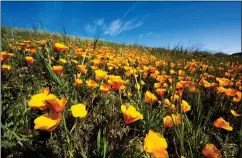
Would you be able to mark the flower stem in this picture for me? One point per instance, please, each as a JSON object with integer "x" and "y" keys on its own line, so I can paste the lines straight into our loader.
{"x": 73, "y": 127}
{"x": 67, "y": 137}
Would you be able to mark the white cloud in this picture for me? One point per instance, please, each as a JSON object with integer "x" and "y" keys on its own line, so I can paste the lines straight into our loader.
{"x": 114, "y": 28}
{"x": 98, "y": 25}
{"x": 99, "y": 22}
{"x": 148, "y": 33}
{"x": 143, "y": 35}
{"x": 117, "y": 26}
{"x": 90, "y": 29}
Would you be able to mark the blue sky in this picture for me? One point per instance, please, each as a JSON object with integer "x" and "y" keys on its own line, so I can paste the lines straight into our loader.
{"x": 214, "y": 26}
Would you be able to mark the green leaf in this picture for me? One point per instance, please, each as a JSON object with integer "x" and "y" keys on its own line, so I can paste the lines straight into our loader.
{"x": 99, "y": 140}
{"x": 105, "y": 146}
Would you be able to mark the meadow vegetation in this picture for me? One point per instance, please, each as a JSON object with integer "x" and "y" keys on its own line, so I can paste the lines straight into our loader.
{"x": 63, "y": 96}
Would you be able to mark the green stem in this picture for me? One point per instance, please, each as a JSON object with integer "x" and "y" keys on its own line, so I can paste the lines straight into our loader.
{"x": 73, "y": 127}
{"x": 67, "y": 136}
{"x": 120, "y": 97}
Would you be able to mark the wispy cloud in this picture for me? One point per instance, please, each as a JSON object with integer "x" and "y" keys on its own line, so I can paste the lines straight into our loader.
{"x": 117, "y": 26}
{"x": 143, "y": 35}
{"x": 89, "y": 28}
{"x": 99, "y": 22}
{"x": 129, "y": 10}
{"x": 95, "y": 26}
{"x": 148, "y": 33}
{"x": 114, "y": 27}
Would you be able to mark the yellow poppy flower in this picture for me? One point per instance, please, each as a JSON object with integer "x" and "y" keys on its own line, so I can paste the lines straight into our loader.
{"x": 47, "y": 122}
{"x": 62, "y": 61}
{"x": 155, "y": 145}
{"x": 79, "y": 110}
{"x": 37, "y": 101}
{"x": 100, "y": 74}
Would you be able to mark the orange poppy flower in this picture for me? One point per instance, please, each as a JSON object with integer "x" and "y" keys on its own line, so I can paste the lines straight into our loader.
{"x": 231, "y": 92}
{"x": 238, "y": 83}
{"x": 192, "y": 88}
{"x": 41, "y": 42}
{"x": 170, "y": 121}
{"x": 169, "y": 105}
{"x": 105, "y": 88}
{"x": 6, "y": 67}
{"x": 57, "y": 70}
{"x": 59, "y": 48}
{"x": 234, "y": 113}
{"x": 116, "y": 82}
{"x": 96, "y": 62}
{"x": 100, "y": 74}
{"x": 150, "y": 97}
{"x": 181, "y": 73}
{"x": 152, "y": 69}
{"x": 237, "y": 97}
{"x": 175, "y": 97}
{"x": 185, "y": 107}
{"x": 221, "y": 123}
{"x": 29, "y": 59}
{"x": 221, "y": 90}
{"x": 223, "y": 81}
{"x": 157, "y": 85}
{"x": 172, "y": 72}
{"x": 130, "y": 114}
{"x": 78, "y": 82}
{"x": 56, "y": 105}
{"x": 91, "y": 84}
{"x": 160, "y": 91}
{"x": 185, "y": 83}
{"x": 210, "y": 151}
{"x": 155, "y": 145}
{"x": 81, "y": 68}
{"x": 5, "y": 56}
{"x": 206, "y": 84}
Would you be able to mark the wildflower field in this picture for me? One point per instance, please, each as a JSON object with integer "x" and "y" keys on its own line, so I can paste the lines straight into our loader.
{"x": 71, "y": 97}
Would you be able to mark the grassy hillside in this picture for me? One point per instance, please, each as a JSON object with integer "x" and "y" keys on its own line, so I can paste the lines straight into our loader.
{"x": 65, "y": 96}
